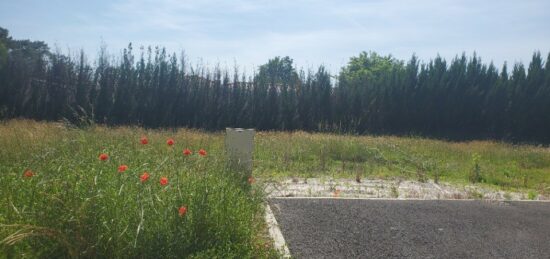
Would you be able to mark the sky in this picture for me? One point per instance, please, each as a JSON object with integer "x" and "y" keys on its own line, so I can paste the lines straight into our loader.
{"x": 313, "y": 33}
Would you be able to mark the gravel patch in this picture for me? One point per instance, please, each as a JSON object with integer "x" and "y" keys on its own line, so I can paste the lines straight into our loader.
{"x": 387, "y": 189}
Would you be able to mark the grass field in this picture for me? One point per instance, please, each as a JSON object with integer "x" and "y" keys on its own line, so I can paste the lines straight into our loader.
{"x": 496, "y": 165}
{"x": 75, "y": 205}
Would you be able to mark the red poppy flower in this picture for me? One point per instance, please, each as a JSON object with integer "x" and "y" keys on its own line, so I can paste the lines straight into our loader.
{"x": 170, "y": 142}
{"x": 187, "y": 152}
{"x": 163, "y": 181}
{"x": 28, "y": 173}
{"x": 202, "y": 152}
{"x": 103, "y": 157}
{"x": 251, "y": 180}
{"x": 122, "y": 168}
{"x": 144, "y": 177}
{"x": 144, "y": 140}
{"x": 182, "y": 211}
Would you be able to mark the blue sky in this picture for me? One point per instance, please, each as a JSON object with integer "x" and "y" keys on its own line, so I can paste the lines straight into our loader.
{"x": 311, "y": 32}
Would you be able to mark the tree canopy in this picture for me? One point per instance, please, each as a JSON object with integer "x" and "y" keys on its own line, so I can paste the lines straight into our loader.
{"x": 463, "y": 98}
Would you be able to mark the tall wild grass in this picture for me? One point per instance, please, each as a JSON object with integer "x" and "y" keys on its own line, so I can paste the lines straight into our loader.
{"x": 60, "y": 200}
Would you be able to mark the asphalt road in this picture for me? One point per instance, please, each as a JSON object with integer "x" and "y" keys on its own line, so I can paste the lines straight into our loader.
{"x": 347, "y": 228}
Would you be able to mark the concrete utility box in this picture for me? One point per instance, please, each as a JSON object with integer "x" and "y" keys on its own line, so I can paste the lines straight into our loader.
{"x": 239, "y": 144}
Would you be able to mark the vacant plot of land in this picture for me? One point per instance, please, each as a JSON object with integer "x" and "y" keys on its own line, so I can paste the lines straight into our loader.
{"x": 342, "y": 228}
{"x": 57, "y": 194}
{"x": 123, "y": 193}
{"x": 487, "y": 163}
{"x": 282, "y": 155}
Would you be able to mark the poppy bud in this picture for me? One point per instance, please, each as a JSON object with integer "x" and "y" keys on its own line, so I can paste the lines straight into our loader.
{"x": 103, "y": 157}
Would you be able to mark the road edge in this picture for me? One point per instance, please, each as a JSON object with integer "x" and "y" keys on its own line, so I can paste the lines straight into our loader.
{"x": 396, "y": 199}
{"x": 275, "y": 233}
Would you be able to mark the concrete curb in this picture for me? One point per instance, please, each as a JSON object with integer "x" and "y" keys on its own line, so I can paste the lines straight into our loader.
{"x": 275, "y": 233}
{"x": 397, "y": 199}
{"x": 390, "y": 189}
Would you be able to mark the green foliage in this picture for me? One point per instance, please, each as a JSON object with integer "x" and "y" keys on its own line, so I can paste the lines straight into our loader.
{"x": 394, "y": 192}
{"x": 329, "y": 155}
{"x": 278, "y": 72}
{"x": 475, "y": 174}
{"x": 473, "y": 194}
{"x": 460, "y": 99}
{"x": 531, "y": 195}
{"x": 3, "y": 55}
{"x": 277, "y": 83}
{"x": 78, "y": 206}
{"x": 369, "y": 68}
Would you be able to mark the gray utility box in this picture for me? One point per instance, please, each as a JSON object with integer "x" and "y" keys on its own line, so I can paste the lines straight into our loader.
{"x": 239, "y": 145}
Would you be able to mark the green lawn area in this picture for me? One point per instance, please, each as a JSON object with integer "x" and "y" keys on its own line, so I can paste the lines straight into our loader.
{"x": 73, "y": 204}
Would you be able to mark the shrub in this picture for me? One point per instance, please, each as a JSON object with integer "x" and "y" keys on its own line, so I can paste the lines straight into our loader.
{"x": 475, "y": 174}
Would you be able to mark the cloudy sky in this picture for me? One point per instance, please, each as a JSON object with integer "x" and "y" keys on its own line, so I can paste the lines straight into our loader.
{"x": 311, "y": 32}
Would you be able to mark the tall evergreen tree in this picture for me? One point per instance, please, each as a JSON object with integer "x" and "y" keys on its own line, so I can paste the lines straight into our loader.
{"x": 461, "y": 99}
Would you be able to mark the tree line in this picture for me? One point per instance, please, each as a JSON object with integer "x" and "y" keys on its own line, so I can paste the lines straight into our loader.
{"x": 373, "y": 94}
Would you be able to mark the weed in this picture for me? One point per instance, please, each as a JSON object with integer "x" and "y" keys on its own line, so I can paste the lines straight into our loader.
{"x": 531, "y": 195}
{"x": 99, "y": 210}
{"x": 421, "y": 175}
{"x": 475, "y": 174}
{"x": 64, "y": 201}
{"x": 394, "y": 192}
{"x": 386, "y": 157}
{"x": 323, "y": 159}
{"x": 474, "y": 194}
{"x": 507, "y": 196}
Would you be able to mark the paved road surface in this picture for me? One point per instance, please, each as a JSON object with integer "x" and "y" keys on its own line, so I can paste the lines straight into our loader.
{"x": 347, "y": 228}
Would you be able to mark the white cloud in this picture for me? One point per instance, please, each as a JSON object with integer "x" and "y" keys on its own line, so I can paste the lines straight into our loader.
{"x": 312, "y": 32}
